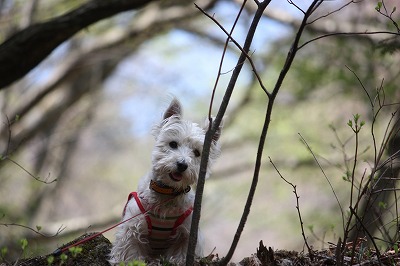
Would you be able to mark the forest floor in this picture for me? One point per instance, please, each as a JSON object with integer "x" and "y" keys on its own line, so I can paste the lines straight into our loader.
{"x": 94, "y": 253}
{"x": 268, "y": 257}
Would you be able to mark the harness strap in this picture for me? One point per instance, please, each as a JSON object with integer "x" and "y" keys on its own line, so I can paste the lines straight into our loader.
{"x": 177, "y": 223}
{"x": 180, "y": 220}
{"x": 142, "y": 209}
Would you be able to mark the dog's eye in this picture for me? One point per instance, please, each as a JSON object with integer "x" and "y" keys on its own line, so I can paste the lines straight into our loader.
{"x": 196, "y": 153}
{"x": 173, "y": 144}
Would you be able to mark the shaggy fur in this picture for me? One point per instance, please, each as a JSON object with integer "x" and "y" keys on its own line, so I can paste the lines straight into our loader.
{"x": 175, "y": 163}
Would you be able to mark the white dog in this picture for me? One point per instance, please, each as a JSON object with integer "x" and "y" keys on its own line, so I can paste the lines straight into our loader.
{"x": 162, "y": 206}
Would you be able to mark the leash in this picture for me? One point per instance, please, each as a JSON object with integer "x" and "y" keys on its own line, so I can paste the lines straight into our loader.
{"x": 59, "y": 251}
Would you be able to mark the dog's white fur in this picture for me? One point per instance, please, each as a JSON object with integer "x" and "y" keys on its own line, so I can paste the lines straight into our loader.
{"x": 132, "y": 237}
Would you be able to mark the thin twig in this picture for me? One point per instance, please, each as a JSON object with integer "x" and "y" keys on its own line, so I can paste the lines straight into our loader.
{"x": 223, "y": 52}
{"x": 230, "y": 38}
{"x": 362, "y": 85}
{"x": 297, "y": 208}
{"x": 293, "y": 4}
{"x": 30, "y": 174}
{"x": 8, "y": 125}
{"x": 348, "y": 34}
{"x": 389, "y": 16}
{"x": 331, "y": 12}
{"x": 6, "y": 155}
{"x": 36, "y": 231}
{"x": 356, "y": 130}
{"x": 366, "y": 231}
{"x": 326, "y": 177}
{"x": 8, "y": 137}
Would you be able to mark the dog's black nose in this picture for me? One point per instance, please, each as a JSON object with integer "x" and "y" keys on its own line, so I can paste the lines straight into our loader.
{"x": 182, "y": 166}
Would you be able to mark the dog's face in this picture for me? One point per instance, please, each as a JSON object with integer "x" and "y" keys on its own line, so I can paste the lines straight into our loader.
{"x": 177, "y": 152}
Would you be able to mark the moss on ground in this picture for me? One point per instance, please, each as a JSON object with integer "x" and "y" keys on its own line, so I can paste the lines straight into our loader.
{"x": 91, "y": 253}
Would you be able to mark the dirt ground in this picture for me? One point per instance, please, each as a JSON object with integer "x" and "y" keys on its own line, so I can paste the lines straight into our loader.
{"x": 94, "y": 253}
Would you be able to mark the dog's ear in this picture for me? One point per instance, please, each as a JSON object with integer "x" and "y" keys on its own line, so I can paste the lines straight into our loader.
{"x": 174, "y": 109}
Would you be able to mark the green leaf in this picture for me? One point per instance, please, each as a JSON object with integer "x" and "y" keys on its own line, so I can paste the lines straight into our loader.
{"x": 350, "y": 123}
{"x": 63, "y": 257}
{"x": 75, "y": 251}
{"x": 382, "y": 205}
{"x": 38, "y": 227}
{"x": 356, "y": 117}
{"x": 3, "y": 251}
{"x": 396, "y": 248}
{"x": 24, "y": 243}
{"x": 378, "y": 6}
{"x": 310, "y": 227}
{"x": 50, "y": 260}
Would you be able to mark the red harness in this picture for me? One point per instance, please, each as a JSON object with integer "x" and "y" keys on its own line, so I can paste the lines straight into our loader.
{"x": 161, "y": 229}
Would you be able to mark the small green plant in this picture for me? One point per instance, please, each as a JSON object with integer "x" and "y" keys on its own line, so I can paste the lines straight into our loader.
{"x": 75, "y": 251}
{"x": 24, "y": 244}
{"x": 63, "y": 258}
{"x": 356, "y": 127}
{"x": 210, "y": 259}
{"x": 133, "y": 263}
{"x": 3, "y": 253}
{"x": 382, "y": 205}
{"x": 50, "y": 260}
{"x": 378, "y": 6}
{"x": 4, "y": 250}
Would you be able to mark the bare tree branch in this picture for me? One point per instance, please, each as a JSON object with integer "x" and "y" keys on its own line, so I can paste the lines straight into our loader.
{"x": 213, "y": 128}
{"x": 297, "y": 206}
{"x": 240, "y": 48}
{"x": 327, "y": 27}
{"x": 36, "y": 231}
{"x": 27, "y": 48}
{"x": 111, "y": 51}
{"x": 271, "y": 99}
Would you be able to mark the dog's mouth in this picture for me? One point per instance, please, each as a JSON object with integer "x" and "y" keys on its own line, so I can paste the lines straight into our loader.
{"x": 176, "y": 176}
